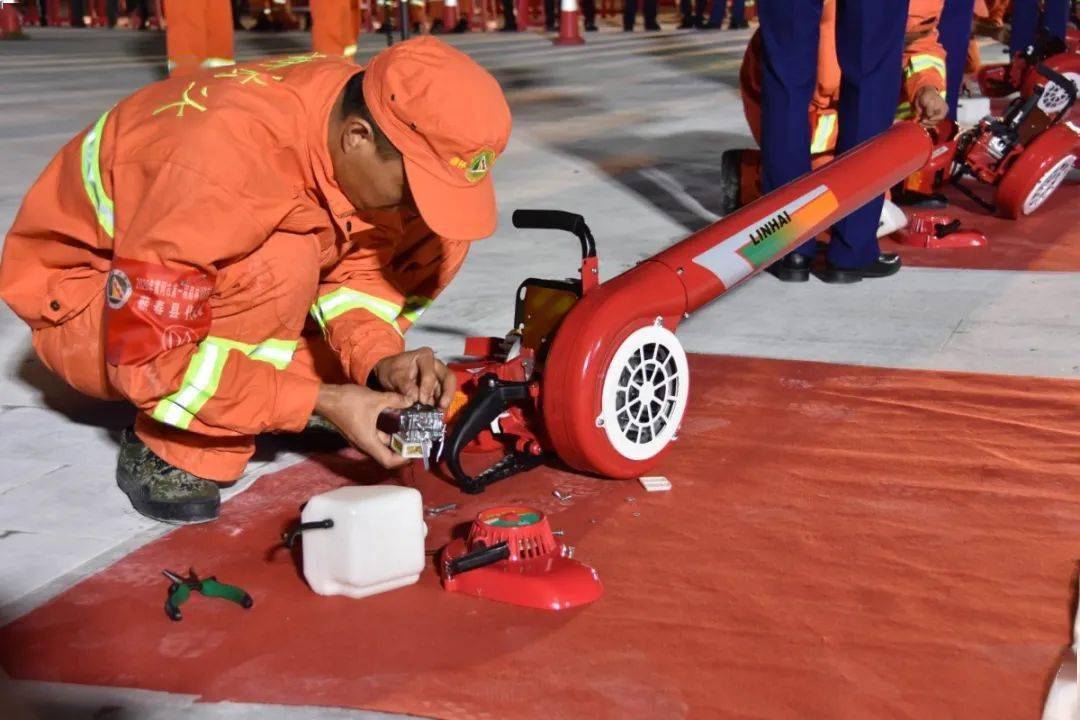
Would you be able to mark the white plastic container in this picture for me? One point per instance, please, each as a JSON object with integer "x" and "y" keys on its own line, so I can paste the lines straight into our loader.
{"x": 376, "y": 543}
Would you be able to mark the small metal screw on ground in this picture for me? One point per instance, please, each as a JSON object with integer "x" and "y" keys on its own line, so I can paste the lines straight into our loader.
{"x": 440, "y": 509}
{"x": 561, "y": 496}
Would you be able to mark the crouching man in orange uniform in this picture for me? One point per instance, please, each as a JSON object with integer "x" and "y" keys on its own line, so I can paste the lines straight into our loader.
{"x": 171, "y": 253}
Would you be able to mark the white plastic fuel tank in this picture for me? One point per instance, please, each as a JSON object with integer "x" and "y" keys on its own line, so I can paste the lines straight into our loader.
{"x": 376, "y": 542}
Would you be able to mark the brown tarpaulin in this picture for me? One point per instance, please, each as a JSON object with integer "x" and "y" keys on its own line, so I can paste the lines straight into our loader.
{"x": 840, "y": 542}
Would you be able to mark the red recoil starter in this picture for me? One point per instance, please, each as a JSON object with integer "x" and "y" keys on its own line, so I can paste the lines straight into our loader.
{"x": 512, "y": 556}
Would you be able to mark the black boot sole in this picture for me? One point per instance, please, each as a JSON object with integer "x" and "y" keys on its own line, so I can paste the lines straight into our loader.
{"x": 789, "y": 274}
{"x": 730, "y": 181}
{"x": 836, "y": 276}
{"x": 192, "y": 512}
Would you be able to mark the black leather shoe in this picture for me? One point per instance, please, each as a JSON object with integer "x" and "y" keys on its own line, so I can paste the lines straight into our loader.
{"x": 740, "y": 25}
{"x": 919, "y": 201}
{"x": 687, "y": 23}
{"x": 655, "y": 27}
{"x": 590, "y": 27}
{"x": 793, "y": 268}
{"x": 886, "y": 264}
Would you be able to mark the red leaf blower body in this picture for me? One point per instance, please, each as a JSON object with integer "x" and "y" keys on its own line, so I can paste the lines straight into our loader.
{"x": 593, "y": 373}
{"x": 1024, "y": 155}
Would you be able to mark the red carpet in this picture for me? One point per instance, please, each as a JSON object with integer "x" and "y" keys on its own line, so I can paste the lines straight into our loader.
{"x": 1049, "y": 239}
{"x": 840, "y": 542}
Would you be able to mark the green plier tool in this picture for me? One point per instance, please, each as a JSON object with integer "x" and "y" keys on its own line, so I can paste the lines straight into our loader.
{"x": 181, "y": 588}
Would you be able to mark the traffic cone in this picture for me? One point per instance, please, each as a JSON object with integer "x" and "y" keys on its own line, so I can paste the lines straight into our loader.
{"x": 522, "y": 13}
{"x": 10, "y": 28}
{"x": 569, "y": 24}
{"x": 450, "y": 15}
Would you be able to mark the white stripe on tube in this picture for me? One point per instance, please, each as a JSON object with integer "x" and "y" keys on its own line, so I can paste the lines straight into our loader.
{"x": 568, "y": 6}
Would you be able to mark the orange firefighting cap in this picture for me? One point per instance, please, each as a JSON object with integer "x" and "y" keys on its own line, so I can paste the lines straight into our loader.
{"x": 448, "y": 117}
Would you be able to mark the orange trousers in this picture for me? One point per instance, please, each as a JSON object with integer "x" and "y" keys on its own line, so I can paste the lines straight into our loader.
{"x": 279, "y": 282}
{"x": 335, "y": 25}
{"x": 198, "y": 34}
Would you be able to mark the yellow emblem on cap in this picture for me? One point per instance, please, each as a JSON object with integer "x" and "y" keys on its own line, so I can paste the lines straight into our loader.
{"x": 479, "y": 166}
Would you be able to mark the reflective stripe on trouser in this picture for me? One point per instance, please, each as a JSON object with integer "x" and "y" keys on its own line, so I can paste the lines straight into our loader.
{"x": 919, "y": 63}
{"x": 204, "y": 373}
{"x": 91, "y": 172}
{"x": 824, "y": 133}
{"x": 344, "y": 299}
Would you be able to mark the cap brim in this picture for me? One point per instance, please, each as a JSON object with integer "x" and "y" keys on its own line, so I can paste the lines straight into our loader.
{"x": 452, "y": 212}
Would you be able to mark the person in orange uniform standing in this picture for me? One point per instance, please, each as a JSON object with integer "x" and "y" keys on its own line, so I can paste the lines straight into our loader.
{"x": 172, "y": 252}
{"x": 198, "y": 34}
{"x": 335, "y": 26}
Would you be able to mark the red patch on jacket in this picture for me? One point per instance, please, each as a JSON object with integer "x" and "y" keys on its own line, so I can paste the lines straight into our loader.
{"x": 152, "y": 308}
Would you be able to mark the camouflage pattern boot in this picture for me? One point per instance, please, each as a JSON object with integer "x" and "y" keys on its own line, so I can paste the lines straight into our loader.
{"x": 161, "y": 491}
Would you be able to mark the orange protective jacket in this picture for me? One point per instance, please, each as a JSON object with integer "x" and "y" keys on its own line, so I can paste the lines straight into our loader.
{"x": 155, "y": 202}
{"x": 923, "y": 66}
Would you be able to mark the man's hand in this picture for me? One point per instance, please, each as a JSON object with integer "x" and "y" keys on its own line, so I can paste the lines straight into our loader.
{"x": 354, "y": 410}
{"x": 930, "y": 108}
{"x": 419, "y": 376}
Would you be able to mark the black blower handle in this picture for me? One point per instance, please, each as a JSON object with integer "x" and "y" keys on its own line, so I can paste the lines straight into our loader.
{"x": 490, "y": 401}
{"x": 557, "y": 220}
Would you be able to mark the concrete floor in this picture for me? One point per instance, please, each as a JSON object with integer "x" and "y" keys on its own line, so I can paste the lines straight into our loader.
{"x": 627, "y": 130}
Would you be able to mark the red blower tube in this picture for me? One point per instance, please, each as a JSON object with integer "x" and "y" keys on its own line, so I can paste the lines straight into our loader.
{"x": 663, "y": 289}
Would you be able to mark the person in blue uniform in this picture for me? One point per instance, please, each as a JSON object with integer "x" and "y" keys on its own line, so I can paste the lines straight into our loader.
{"x": 738, "y": 15}
{"x": 954, "y": 33}
{"x": 693, "y": 13}
{"x": 1027, "y": 19}
{"x": 869, "y": 45}
{"x": 630, "y": 15}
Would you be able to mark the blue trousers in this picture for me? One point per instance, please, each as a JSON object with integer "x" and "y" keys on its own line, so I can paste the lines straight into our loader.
{"x": 954, "y": 32}
{"x": 869, "y": 46}
{"x": 1026, "y": 22}
{"x": 738, "y": 11}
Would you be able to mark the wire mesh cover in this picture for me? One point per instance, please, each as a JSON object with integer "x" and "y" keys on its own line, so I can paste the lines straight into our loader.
{"x": 647, "y": 392}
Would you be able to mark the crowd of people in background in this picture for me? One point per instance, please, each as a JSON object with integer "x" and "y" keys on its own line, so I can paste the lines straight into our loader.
{"x": 425, "y": 15}
{"x": 820, "y": 76}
